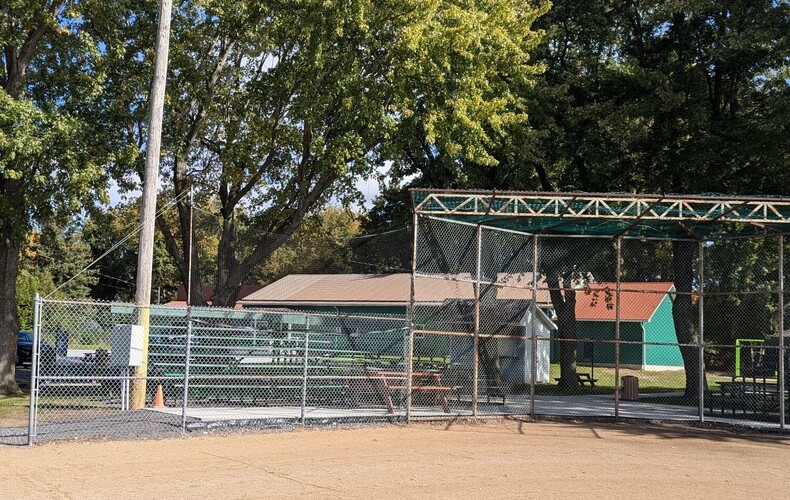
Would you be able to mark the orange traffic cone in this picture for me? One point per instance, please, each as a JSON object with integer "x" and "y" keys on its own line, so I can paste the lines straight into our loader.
{"x": 159, "y": 398}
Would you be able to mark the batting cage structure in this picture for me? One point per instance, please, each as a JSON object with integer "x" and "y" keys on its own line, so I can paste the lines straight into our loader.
{"x": 612, "y": 305}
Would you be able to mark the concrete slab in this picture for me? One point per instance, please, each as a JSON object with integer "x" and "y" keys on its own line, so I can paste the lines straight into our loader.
{"x": 218, "y": 414}
{"x": 587, "y": 406}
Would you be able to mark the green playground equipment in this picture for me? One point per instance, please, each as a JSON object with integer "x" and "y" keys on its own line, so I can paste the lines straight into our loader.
{"x": 745, "y": 343}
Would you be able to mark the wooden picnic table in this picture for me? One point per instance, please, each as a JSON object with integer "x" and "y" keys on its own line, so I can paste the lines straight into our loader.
{"x": 389, "y": 382}
{"x": 583, "y": 378}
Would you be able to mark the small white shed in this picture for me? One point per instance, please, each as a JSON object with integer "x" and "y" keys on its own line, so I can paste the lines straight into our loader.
{"x": 515, "y": 354}
{"x": 511, "y": 322}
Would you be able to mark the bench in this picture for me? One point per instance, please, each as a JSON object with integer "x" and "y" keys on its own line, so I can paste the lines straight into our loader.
{"x": 495, "y": 392}
{"x": 586, "y": 378}
{"x": 222, "y": 368}
{"x": 263, "y": 391}
{"x": 388, "y": 383}
{"x": 583, "y": 378}
{"x": 49, "y": 387}
{"x": 227, "y": 379}
{"x": 744, "y": 396}
{"x": 488, "y": 387}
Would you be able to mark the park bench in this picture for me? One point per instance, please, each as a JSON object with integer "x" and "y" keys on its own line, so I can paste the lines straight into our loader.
{"x": 494, "y": 391}
{"x": 586, "y": 378}
{"x": 72, "y": 377}
{"x": 67, "y": 387}
{"x": 583, "y": 378}
{"x": 488, "y": 388}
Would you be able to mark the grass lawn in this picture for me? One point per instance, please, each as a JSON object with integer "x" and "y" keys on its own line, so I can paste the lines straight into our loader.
{"x": 13, "y": 410}
{"x": 649, "y": 381}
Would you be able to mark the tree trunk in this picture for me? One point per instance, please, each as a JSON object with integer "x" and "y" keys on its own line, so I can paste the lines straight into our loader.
{"x": 16, "y": 61}
{"x": 226, "y": 293}
{"x": 682, "y": 313}
{"x": 9, "y": 319}
{"x": 231, "y": 273}
{"x": 564, "y": 302}
{"x": 179, "y": 250}
{"x": 489, "y": 369}
{"x": 566, "y": 323}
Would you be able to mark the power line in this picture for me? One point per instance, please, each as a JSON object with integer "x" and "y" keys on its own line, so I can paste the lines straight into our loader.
{"x": 118, "y": 244}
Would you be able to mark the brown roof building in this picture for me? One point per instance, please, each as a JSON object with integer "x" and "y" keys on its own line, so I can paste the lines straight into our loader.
{"x": 377, "y": 290}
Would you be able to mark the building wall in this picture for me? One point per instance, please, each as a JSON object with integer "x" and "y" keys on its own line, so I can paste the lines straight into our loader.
{"x": 661, "y": 328}
{"x": 602, "y": 335}
{"x": 630, "y": 354}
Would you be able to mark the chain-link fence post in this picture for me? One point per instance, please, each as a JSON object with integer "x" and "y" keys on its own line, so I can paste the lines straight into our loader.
{"x": 782, "y": 351}
{"x": 701, "y": 339}
{"x": 304, "y": 367}
{"x": 187, "y": 356}
{"x": 410, "y": 313}
{"x": 476, "y": 341}
{"x": 31, "y": 414}
{"x": 534, "y": 333}
{"x": 618, "y": 270}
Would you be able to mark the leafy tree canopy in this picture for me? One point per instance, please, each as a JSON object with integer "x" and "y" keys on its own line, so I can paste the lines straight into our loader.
{"x": 277, "y": 109}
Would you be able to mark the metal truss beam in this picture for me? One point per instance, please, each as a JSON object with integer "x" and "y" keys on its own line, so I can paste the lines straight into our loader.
{"x": 603, "y": 206}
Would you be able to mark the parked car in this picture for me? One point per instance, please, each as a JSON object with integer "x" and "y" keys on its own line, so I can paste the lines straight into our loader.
{"x": 24, "y": 347}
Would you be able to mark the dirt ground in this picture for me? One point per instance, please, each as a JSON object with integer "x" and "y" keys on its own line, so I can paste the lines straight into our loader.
{"x": 487, "y": 459}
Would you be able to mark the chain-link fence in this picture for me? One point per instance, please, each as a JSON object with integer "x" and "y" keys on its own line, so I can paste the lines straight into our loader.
{"x": 212, "y": 367}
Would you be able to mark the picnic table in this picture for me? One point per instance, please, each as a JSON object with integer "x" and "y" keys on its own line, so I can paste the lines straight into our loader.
{"x": 583, "y": 378}
{"x": 757, "y": 395}
{"x": 388, "y": 383}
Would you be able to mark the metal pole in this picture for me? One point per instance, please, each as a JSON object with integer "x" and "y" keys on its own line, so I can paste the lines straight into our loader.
{"x": 782, "y": 351}
{"x": 187, "y": 356}
{"x": 31, "y": 412}
{"x": 476, "y": 341}
{"x": 701, "y": 305}
{"x": 188, "y": 349}
{"x": 618, "y": 245}
{"x": 142, "y": 296}
{"x": 534, "y": 367}
{"x": 304, "y": 368}
{"x": 410, "y": 312}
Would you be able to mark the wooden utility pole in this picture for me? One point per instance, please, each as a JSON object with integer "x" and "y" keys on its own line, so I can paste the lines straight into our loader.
{"x": 142, "y": 295}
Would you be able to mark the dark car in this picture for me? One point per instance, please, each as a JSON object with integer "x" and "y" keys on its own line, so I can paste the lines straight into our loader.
{"x": 24, "y": 348}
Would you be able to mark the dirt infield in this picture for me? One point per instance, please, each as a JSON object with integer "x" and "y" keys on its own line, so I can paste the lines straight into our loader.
{"x": 488, "y": 459}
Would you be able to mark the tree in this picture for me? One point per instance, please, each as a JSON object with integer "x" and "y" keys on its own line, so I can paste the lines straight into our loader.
{"x": 49, "y": 167}
{"x": 52, "y": 264}
{"x": 649, "y": 97}
{"x": 277, "y": 109}
{"x": 320, "y": 245}
{"x": 116, "y": 272}
{"x": 670, "y": 97}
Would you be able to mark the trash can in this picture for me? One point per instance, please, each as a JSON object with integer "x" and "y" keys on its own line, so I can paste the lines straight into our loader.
{"x": 61, "y": 342}
{"x": 629, "y": 388}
